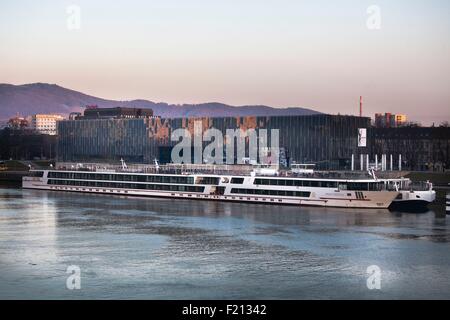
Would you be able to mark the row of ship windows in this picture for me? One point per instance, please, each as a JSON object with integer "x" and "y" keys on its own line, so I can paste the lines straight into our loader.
{"x": 101, "y": 184}
{"x": 173, "y": 194}
{"x": 120, "y": 177}
{"x": 362, "y": 186}
{"x": 304, "y": 194}
{"x": 212, "y": 180}
{"x": 297, "y": 183}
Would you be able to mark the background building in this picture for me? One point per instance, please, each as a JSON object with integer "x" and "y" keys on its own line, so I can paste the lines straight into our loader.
{"x": 327, "y": 140}
{"x": 18, "y": 123}
{"x": 45, "y": 123}
{"x": 30, "y": 138}
{"x": 93, "y": 112}
{"x": 422, "y": 148}
{"x": 26, "y": 145}
{"x": 400, "y": 119}
{"x": 389, "y": 120}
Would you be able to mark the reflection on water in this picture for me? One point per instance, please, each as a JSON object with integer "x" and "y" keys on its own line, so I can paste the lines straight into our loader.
{"x": 161, "y": 249}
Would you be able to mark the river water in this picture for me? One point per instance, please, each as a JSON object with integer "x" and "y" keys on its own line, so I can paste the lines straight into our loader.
{"x": 142, "y": 248}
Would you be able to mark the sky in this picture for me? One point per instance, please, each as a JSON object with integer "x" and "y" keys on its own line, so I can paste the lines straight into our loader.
{"x": 320, "y": 54}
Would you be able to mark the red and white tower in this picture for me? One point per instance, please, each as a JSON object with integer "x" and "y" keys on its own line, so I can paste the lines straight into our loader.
{"x": 360, "y": 105}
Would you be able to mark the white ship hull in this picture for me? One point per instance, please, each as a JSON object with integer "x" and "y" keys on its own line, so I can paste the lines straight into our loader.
{"x": 414, "y": 199}
{"x": 247, "y": 190}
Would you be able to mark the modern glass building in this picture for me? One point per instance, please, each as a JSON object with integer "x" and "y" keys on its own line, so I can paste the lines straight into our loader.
{"x": 421, "y": 148}
{"x": 104, "y": 140}
{"x": 328, "y": 140}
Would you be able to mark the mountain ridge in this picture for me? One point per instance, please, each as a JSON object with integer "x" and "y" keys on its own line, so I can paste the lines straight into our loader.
{"x": 32, "y": 98}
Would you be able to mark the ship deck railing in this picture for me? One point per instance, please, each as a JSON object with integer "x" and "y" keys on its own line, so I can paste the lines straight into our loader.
{"x": 231, "y": 170}
{"x": 211, "y": 169}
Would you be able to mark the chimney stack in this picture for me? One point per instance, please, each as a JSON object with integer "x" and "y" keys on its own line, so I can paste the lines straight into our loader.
{"x": 360, "y": 105}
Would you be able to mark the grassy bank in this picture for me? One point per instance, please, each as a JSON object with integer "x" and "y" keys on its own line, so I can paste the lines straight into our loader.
{"x": 13, "y": 165}
{"x": 23, "y": 165}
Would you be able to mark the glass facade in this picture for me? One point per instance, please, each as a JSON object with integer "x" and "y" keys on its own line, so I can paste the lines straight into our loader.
{"x": 105, "y": 140}
{"x": 328, "y": 139}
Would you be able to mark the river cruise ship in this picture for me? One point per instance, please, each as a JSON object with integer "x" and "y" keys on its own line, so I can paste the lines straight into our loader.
{"x": 282, "y": 189}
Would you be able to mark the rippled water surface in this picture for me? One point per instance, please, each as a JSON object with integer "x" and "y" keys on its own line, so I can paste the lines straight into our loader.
{"x": 183, "y": 249}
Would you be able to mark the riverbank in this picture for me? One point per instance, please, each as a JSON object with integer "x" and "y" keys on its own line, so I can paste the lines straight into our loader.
{"x": 12, "y": 171}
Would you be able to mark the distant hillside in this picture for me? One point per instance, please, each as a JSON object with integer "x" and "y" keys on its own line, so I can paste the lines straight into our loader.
{"x": 35, "y": 98}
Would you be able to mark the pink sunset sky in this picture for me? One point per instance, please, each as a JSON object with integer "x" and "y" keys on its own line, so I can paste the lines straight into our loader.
{"x": 315, "y": 54}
